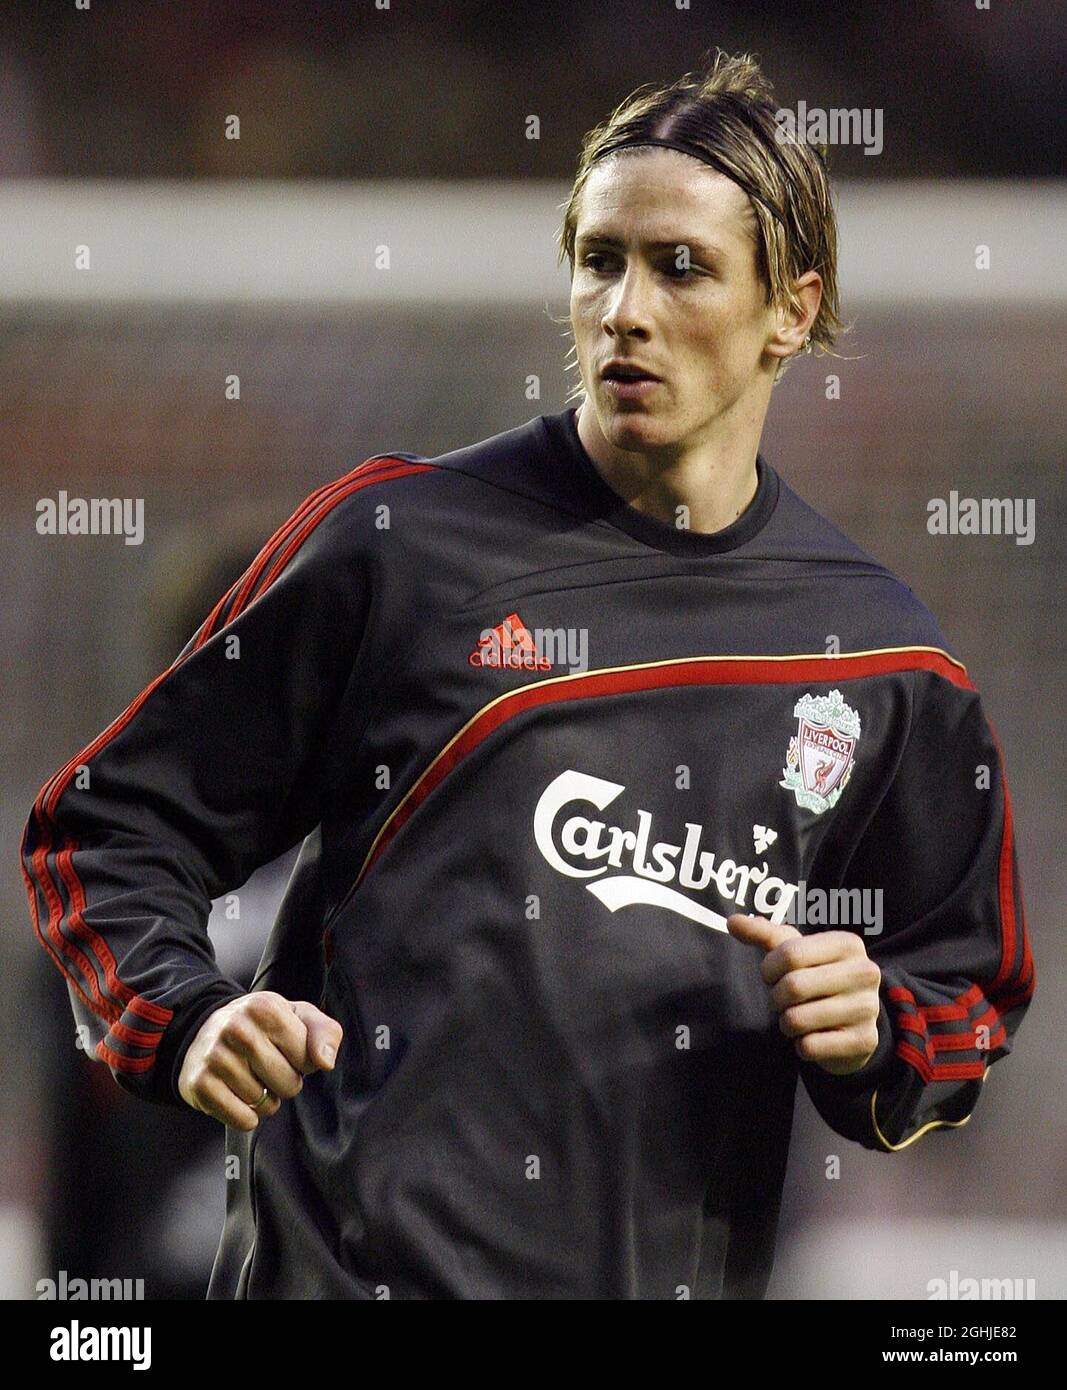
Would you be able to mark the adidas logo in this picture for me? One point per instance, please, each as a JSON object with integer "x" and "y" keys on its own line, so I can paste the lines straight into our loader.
{"x": 510, "y": 644}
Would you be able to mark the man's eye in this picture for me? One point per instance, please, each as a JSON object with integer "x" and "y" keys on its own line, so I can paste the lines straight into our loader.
{"x": 594, "y": 261}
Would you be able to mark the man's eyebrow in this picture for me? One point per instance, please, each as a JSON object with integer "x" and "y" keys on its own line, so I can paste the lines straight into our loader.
{"x": 701, "y": 248}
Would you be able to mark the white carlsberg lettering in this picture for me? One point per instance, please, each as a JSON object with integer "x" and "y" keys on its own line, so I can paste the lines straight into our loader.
{"x": 707, "y": 860}
{"x": 653, "y": 865}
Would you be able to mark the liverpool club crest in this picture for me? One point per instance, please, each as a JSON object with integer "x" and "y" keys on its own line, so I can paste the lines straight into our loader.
{"x": 819, "y": 762}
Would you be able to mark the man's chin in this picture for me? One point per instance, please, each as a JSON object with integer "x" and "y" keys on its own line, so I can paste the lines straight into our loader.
{"x": 635, "y": 428}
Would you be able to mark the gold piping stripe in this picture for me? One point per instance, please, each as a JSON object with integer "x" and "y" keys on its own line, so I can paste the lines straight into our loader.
{"x": 931, "y": 1124}
{"x": 610, "y": 670}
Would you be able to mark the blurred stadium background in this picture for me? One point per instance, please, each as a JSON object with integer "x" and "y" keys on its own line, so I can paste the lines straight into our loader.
{"x": 407, "y": 127}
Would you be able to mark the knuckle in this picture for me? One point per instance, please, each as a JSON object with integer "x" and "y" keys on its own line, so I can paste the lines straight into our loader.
{"x": 209, "y": 1103}
{"x": 805, "y": 1047}
{"x": 240, "y": 1031}
{"x": 766, "y": 970}
{"x": 263, "y": 1006}
{"x": 216, "y": 1069}
{"x": 792, "y": 953}
{"x": 791, "y": 988}
{"x": 292, "y": 1086}
{"x": 200, "y": 1077}
{"x": 200, "y": 1085}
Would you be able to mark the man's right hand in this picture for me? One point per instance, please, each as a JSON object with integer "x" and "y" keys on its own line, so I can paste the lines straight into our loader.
{"x": 261, "y": 1039}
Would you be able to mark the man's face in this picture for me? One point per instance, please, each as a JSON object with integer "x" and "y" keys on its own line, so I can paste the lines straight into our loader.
{"x": 701, "y": 331}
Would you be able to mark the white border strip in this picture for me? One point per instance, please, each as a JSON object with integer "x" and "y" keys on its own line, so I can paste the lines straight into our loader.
{"x": 267, "y": 242}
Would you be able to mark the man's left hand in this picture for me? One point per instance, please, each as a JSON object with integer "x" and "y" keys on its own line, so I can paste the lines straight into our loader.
{"x": 825, "y": 988}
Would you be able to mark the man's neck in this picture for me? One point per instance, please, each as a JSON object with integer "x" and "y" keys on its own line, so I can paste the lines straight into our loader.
{"x": 715, "y": 482}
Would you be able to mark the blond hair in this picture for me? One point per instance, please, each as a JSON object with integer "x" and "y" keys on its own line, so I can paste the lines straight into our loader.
{"x": 726, "y": 114}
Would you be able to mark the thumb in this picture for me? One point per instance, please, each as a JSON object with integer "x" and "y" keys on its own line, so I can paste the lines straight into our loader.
{"x": 324, "y": 1035}
{"x": 757, "y": 931}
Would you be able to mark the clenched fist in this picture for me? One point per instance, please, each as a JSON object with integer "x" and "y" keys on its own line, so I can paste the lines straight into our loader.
{"x": 260, "y": 1040}
{"x": 825, "y": 988}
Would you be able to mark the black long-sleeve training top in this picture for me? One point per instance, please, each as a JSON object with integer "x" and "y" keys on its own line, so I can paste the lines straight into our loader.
{"x": 538, "y": 745}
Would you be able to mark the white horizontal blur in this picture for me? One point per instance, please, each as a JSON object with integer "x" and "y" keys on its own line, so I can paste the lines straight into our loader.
{"x": 311, "y": 243}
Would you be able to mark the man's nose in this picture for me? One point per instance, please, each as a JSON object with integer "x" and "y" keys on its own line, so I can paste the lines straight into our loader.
{"x": 627, "y": 311}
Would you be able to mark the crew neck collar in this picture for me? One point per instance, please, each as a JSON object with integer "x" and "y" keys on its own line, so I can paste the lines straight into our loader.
{"x": 608, "y": 505}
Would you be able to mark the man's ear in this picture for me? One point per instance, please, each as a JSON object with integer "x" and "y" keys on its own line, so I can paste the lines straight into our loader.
{"x": 792, "y": 325}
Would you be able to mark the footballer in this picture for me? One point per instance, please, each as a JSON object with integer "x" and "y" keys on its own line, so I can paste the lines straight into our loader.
{"x": 533, "y": 1013}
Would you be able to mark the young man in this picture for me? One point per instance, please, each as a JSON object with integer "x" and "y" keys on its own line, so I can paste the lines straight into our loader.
{"x": 555, "y": 719}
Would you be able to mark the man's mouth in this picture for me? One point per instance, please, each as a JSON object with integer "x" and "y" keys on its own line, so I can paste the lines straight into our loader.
{"x": 625, "y": 371}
